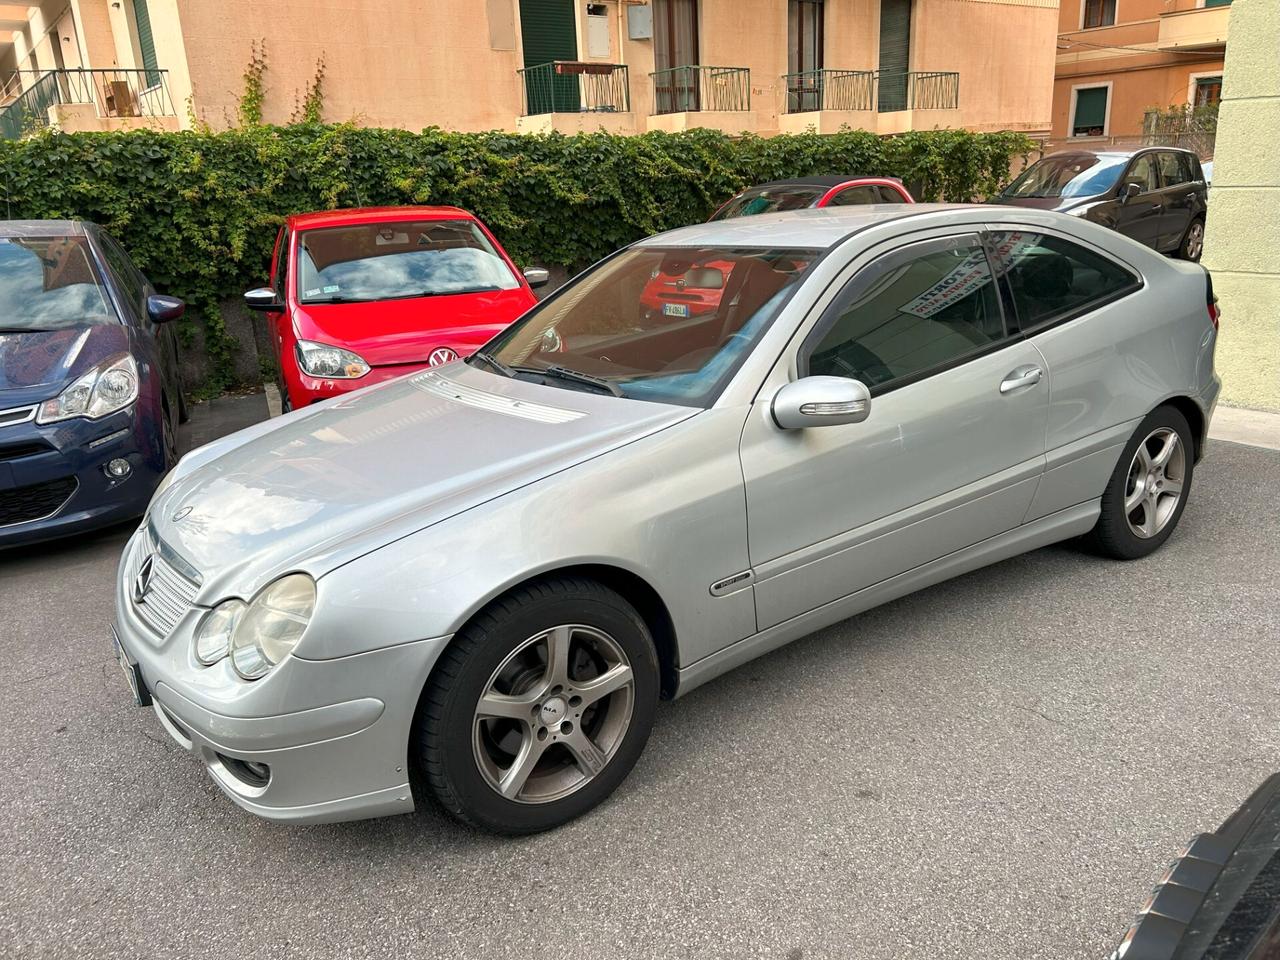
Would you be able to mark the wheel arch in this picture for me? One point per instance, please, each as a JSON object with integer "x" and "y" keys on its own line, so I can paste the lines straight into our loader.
{"x": 1196, "y": 420}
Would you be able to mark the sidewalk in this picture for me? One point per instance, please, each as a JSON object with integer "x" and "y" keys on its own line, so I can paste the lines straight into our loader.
{"x": 1238, "y": 425}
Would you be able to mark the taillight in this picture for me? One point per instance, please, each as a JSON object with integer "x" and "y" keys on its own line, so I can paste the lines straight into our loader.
{"x": 1211, "y": 301}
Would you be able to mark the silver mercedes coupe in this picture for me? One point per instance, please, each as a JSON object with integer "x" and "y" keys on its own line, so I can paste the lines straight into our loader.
{"x": 475, "y": 583}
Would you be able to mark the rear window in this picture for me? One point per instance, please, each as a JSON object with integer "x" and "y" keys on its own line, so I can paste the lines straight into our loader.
{"x": 50, "y": 282}
{"x": 769, "y": 200}
{"x": 397, "y": 261}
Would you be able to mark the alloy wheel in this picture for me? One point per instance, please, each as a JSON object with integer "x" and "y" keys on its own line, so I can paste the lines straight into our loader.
{"x": 1155, "y": 482}
{"x": 553, "y": 714}
{"x": 1195, "y": 240}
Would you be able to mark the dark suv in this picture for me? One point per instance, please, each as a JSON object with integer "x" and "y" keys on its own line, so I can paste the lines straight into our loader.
{"x": 1155, "y": 195}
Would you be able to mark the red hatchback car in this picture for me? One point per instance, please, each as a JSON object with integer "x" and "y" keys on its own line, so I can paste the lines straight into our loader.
{"x": 363, "y": 295}
{"x": 696, "y": 292}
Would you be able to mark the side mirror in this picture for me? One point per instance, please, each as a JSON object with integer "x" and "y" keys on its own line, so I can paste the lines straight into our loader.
{"x": 821, "y": 402}
{"x": 162, "y": 309}
{"x": 263, "y": 299}
{"x": 1130, "y": 191}
{"x": 537, "y": 276}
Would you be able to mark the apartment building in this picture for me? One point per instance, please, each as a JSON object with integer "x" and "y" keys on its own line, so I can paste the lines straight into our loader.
{"x": 1117, "y": 59}
{"x": 627, "y": 66}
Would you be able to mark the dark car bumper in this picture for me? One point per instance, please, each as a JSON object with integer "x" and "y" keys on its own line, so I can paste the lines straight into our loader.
{"x": 53, "y": 479}
{"x": 1221, "y": 897}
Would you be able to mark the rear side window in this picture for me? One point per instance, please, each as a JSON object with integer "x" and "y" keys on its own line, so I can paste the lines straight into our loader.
{"x": 911, "y": 315}
{"x": 1052, "y": 278}
{"x": 856, "y": 196}
{"x": 890, "y": 195}
{"x": 1174, "y": 169}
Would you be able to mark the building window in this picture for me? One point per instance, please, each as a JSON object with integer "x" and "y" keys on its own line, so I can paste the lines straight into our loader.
{"x": 146, "y": 42}
{"x": 1217, "y": 3}
{"x": 1090, "y": 116}
{"x": 804, "y": 35}
{"x": 1099, "y": 13}
{"x": 1208, "y": 91}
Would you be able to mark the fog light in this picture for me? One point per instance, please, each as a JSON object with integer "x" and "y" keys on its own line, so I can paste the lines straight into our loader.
{"x": 118, "y": 468}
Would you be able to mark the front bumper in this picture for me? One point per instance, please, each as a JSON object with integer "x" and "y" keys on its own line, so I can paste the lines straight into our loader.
{"x": 52, "y": 478}
{"x": 331, "y": 735}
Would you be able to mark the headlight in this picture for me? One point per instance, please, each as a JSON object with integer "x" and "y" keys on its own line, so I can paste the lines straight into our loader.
{"x": 322, "y": 360}
{"x": 271, "y": 626}
{"x": 213, "y": 636}
{"x": 108, "y": 387}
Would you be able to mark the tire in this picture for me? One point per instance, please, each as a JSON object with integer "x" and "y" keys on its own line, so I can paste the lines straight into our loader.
{"x": 184, "y": 414}
{"x": 1192, "y": 244}
{"x": 1150, "y": 521}
{"x": 168, "y": 437}
{"x": 584, "y": 747}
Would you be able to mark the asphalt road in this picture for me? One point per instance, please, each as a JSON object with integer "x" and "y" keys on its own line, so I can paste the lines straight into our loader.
{"x": 998, "y": 767}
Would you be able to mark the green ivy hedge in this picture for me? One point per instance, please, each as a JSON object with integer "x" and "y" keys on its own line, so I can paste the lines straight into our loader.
{"x": 199, "y": 211}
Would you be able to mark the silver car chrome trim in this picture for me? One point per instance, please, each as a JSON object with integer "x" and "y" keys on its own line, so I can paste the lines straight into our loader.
{"x": 16, "y": 415}
{"x": 733, "y": 584}
{"x": 168, "y": 592}
{"x": 441, "y": 386}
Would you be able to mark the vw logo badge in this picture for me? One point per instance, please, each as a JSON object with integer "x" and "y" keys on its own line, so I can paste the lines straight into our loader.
{"x": 442, "y": 355}
{"x": 142, "y": 582}
{"x": 181, "y": 514}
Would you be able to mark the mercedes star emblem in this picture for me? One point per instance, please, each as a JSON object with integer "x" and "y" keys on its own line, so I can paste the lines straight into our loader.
{"x": 142, "y": 582}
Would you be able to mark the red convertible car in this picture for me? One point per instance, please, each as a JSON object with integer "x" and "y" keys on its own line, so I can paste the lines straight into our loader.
{"x": 363, "y": 295}
{"x": 696, "y": 292}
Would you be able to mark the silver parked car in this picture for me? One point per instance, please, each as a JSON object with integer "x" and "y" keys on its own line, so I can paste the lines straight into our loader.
{"x": 487, "y": 574}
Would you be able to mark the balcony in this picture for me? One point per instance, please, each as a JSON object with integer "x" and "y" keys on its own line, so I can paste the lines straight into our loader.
{"x": 1190, "y": 28}
{"x": 573, "y": 96}
{"x": 718, "y": 98}
{"x": 826, "y": 101}
{"x": 80, "y": 100}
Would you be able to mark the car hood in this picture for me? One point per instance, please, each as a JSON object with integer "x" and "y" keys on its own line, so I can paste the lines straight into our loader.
{"x": 319, "y": 487}
{"x": 38, "y": 365}
{"x": 1045, "y": 203}
{"x": 406, "y": 331}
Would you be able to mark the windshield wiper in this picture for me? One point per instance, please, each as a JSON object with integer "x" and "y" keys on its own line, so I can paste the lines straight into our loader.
{"x": 557, "y": 372}
{"x": 315, "y": 300}
{"x": 28, "y": 329}
{"x": 493, "y": 363}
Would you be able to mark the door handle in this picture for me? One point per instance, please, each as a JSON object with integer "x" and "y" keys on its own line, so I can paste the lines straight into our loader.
{"x": 1022, "y": 377}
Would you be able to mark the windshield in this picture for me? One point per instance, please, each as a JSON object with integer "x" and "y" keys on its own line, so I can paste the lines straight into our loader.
{"x": 49, "y": 282}
{"x": 1067, "y": 176}
{"x": 662, "y": 324}
{"x": 391, "y": 261}
{"x": 769, "y": 200}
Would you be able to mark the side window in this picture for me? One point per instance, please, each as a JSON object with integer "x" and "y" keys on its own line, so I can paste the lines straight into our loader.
{"x": 890, "y": 195}
{"x": 910, "y": 314}
{"x": 132, "y": 283}
{"x": 1051, "y": 277}
{"x": 280, "y": 268}
{"x": 1173, "y": 169}
{"x": 1190, "y": 168}
{"x": 1143, "y": 172}
{"x": 855, "y": 196}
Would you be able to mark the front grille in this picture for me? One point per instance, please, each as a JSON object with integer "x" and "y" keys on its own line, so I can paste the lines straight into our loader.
{"x": 40, "y": 500}
{"x": 168, "y": 592}
{"x": 16, "y": 415}
{"x": 15, "y": 451}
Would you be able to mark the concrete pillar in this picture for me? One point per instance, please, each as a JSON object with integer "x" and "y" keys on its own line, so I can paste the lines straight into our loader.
{"x": 1242, "y": 242}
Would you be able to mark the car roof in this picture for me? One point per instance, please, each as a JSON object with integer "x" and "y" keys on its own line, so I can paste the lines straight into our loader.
{"x": 828, "y": 181}
{"x": 805, "y": 229}
{"x": 1111, "y": 154}
{"x": 350, "y": 215}
{"x": 43, "y": 228}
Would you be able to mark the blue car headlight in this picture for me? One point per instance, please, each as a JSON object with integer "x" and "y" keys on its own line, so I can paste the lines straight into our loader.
{"x": 109, "y": 387}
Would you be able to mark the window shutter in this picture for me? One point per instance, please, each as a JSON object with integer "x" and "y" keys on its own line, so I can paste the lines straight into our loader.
{"x": 146, "y": 42}
{"x": 548, "y": 32}
{"x": 895, "y": 53}
{"x": 1091, "y": 108}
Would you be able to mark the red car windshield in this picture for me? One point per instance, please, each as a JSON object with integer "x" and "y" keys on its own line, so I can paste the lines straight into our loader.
{"x": 394, "y": 261}
{"x": 770, "y": 200}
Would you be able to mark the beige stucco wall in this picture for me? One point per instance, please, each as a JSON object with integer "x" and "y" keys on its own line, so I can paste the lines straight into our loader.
{"x": 1243, "y": 230}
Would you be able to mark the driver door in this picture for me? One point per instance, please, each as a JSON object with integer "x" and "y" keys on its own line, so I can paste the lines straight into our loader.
{"x": 952, "y": 450}
{"x": 1140, "y": 217}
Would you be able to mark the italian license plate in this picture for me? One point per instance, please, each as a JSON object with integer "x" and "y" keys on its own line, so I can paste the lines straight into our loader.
{"x": 132, "y": 672}
{"x": 675, "y": 309}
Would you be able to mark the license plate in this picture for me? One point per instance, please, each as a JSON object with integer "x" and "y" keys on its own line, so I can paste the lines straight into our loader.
{"x": 675, "y": 309}
{"x": 132, "y": 672}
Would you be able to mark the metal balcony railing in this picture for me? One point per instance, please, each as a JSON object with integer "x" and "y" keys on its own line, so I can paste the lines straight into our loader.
{"x": 829, "y": 90}
{"x": 937, "y": 90}
{"x": 113, "y": 93}
{"x": 572, "y": 86}
{"x": 697, "y": 88}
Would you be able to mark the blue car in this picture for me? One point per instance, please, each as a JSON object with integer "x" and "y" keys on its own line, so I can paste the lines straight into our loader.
{"x": 90, "y": 398}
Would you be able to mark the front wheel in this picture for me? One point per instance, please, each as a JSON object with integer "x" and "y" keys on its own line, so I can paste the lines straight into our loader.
{"x": 1148, "y": 489}
{"x": 539, "y": 708}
